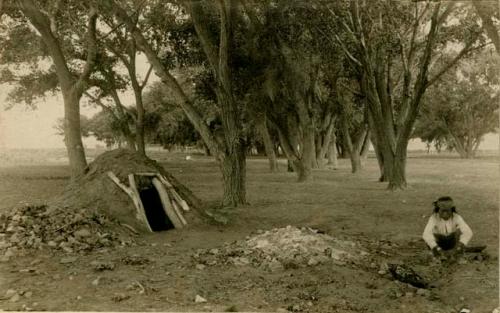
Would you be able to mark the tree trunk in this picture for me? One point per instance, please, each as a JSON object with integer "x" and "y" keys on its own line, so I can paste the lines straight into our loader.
{"x": 304, "y": 172}
{"x": 459, "y": 146}
{"x": 332, "y": 152}
{"x": 397, "y": 173}
{"x": 72, "y": 89}
{"x": 130, "y": 142}
{"x": 366, "y": 146}
{"x": 326, "y": 144}
{"x": 139, "y": 127}
{"x": 308, "y": 155}
{"x": 354, "y": 148}
{"x": 207, "y": 150}
{"x": 268, "y": 144}
{"x": 355, "y": 163}
{"x": 470, "y": 146}
{"x": 233, "y": 167}
{"x": 233, "y": 157}
{"x": 487, "y": 17}
{"x": 72, "y": 134}
{"x": 298, "y": 163}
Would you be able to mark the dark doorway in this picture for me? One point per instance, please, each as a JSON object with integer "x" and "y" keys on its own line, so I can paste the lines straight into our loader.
{"x": 151, "y": 201}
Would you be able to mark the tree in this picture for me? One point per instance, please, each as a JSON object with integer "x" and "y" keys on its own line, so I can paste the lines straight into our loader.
{"x": 354, "y": 127}
{"x": 59, "y": 31}
{"x": 219, "y": 55}
{"x": 228, "y": 147}
{"x": 461, "y": 107}
{"x": 489, "y": 11}
{"x": 393, "y": 37}
{"x": 289, "y": 85}
{"x": 173, "y": 127}
{"x": 125, "y": 49}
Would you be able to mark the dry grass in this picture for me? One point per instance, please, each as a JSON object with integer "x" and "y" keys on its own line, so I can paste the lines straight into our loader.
{"x": 336, "y": 200}
{"x": 339, "y": 201}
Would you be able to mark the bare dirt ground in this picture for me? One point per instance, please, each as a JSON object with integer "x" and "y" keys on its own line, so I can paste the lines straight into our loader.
{"x": 166, "y": 271}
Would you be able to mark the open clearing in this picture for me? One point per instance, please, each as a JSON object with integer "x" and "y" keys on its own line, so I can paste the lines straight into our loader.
{"x": 165, "y": 271}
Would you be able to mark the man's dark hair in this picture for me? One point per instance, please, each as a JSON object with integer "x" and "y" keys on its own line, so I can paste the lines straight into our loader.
{"x": 445, "y": 198}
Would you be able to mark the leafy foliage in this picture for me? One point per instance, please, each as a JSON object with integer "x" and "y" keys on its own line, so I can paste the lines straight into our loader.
{"x": 462, "y": 107}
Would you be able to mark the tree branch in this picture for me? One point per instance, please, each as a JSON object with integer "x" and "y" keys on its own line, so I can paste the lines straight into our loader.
{"x": 251, "y": 15}
{"x": 447, "y": 11}
{"x": 148, "y": 73}
{"x": 467, "y": 49}
{"x": 486, "y": 17}
{"x": 346, "y": 51}
{"x": 194, "y": 7}
{"x": 167, "y": 79}
{"x": 119, "y": 55}
{"x": 91, "y": 52}
{"x": 97, "y": 100}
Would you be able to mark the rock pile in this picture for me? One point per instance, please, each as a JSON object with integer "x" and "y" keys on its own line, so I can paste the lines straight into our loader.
{"x": 282, "y": 248}
{"x": 40, "y": 227}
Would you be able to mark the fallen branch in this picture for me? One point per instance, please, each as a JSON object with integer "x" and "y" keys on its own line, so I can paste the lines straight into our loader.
{"x": 130, "y": 228}
{"x": 176, "y": 196}
{"x": 174, "y": 216}
{"x": 133, "y": 194}
{"x": 178, "y": 212}
{"x": 137, "y": 201}
{"x": 143, "y": 290}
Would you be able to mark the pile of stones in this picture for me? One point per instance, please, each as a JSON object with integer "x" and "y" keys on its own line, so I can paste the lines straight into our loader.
{"x": 282, "y": 248}
{"x": 41, "y": 227}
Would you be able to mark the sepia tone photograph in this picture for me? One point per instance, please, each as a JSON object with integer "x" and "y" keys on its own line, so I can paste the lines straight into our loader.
{"x": 250, "y": 156}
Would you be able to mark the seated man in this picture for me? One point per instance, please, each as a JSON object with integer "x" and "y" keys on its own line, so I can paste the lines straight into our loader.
{"x": 446, "y": 230}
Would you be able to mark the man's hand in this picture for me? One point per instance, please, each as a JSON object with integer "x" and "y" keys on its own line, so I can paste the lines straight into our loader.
{"x": 460, "y": 246}
{"x": 460, "y": 249}
{"x": 437, "y": 252}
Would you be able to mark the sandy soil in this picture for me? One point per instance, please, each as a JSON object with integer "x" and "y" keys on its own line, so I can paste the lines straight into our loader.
{"x": 162, "y": 272}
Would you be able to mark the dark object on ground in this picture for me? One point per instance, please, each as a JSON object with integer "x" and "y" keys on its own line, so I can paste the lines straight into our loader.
{"x": 407, "y": 275}
{"x": 475, "y": 249}
{"x": 447, "y": 242}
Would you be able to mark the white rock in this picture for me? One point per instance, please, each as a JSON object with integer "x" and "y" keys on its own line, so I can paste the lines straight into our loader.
{"x": 95, "y": 282}
{"x": 423, "y": 292}
{"x": 82, "y": 233}
{"x": 15, "y": 298}
{"x": 199, "y": 299}
{"x": 9, "y": 293}
{"x": 200, "y": 267}
{"x": 214, "y": 251}
{"x": 313, "y": 261}
{"x": 68, "y": 260}
{"x": 241, "y": 261}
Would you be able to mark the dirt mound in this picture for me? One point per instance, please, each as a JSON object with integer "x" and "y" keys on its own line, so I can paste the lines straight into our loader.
{"x": 40, "y": 227}
{"x": 96, "y": 191}
{"x": 282, "y": 248}
{"x": 92, "y": 213}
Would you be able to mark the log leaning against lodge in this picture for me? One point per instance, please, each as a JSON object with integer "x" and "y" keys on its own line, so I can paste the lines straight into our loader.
{"x": 110, "y": 186}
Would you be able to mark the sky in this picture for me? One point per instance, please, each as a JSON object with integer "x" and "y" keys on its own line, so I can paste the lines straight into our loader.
{"x": 22, "y": 128}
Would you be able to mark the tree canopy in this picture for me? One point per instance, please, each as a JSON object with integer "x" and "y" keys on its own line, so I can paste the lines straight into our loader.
{"x": 301, "y": 76}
